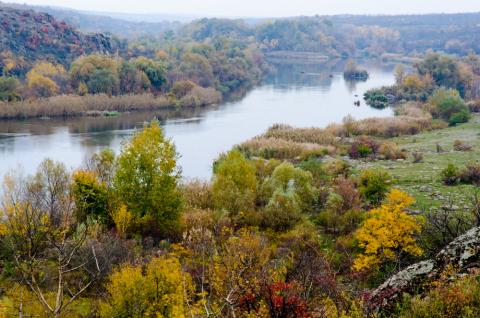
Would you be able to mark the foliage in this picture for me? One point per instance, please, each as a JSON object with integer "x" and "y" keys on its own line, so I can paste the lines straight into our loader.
{"x": 46, "y": 79}
{"x": 449, "y": 175}
{"x": 91, "y": 198}
{"x": 161, "y": 290}
{"x": 9, "y": 89}
{"x": 458, "y": 298}
{"x": 283, "y": 210}
{"x": 450, "y": 106}
{"x": 376, "y": 99}
{"x": 43, "y": 237}
{"x": 234, "y": 183}
{"x": 387, "y": 232}
{"x": 374, "y": 185}
{"x": 293, "y": 181}
{"x": 154, "y": 70}
{"x": 146, "y": 179}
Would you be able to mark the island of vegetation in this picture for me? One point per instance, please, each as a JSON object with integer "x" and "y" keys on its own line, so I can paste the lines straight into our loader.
{"x": 353, "y": 72}
{"x": 366, "y": 218}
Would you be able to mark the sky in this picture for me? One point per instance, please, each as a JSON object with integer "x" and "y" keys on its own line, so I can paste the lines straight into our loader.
{"x": 265, "y": 8}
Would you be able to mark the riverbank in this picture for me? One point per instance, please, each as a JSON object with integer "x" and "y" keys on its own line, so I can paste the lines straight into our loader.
{"x": 412, "y": 148}
{"x": 101, "y": 104}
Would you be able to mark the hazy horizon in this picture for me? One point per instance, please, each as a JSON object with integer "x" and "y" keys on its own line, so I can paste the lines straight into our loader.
{"x": 267, "y": 8}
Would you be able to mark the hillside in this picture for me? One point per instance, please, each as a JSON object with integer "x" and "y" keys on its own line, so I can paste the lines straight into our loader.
{"x": 28, "y": 35}
{"x": 99, "y": 22}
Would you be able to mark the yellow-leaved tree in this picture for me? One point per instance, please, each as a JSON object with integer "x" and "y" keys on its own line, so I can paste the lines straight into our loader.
{"x": 161, "y": 290}
{"x": 387, "y": 232}
{"x": 46, "y": 79}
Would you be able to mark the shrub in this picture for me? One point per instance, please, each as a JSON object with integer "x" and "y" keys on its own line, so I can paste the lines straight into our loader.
{"x": 374, "y": 185}
{"x": 470, "y": 174}
{"x": 474, "y": 106}
{"x": 234, "y": 183}
{"x": 288, "y": 178}
{"x": 458, "y": 145}
{"x": 458, "y": 118}
{"x": 363, "y": 147}
{"x": 449, "y": 298}
{"x": 389, "y": 151}
{"x": 197, "y": 194}
{"x": 449, "y": 175}
{"x": 316, "y": 168}
{"x": 91, "y": 199}
{"x": 283, "y": 211}
{"x": 449, "y": 106}
{"x": 388, "y": 232}
{"x": 376, "y": 99}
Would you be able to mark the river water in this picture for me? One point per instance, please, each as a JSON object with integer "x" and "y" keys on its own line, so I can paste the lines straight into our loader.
{"x": 302, "y": 95}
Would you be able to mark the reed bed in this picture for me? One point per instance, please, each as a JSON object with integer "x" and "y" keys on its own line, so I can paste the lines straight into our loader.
{"x": 286, "y": 142}
{"x": 74, "y": 105}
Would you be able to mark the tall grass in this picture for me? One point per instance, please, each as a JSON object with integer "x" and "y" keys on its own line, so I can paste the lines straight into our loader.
{"x": 286, "y": 142}
{"x": 74, "y": 105}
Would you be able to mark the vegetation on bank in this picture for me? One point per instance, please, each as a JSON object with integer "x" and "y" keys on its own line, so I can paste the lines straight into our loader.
{"x": 124, "y": 236}
{"x": 296, "y": 223}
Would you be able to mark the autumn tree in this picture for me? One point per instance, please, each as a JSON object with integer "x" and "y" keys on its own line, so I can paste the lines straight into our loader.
{"x": 49, "y": 247}
{"x": 97, "y": 72}
{"x": 154, "y": 70}
{"x": 234, "y": 183}
{"x": 162, "y": 289}
{"x": 196, "y": 68}
{"x": 388, "y": 232}
{"x": 46, "y": 79}
{"x": 146, "y": 179}
{"x": 133, "y": 80}
{"x": 241, "y": 268}
{"x": 91, "y": 197}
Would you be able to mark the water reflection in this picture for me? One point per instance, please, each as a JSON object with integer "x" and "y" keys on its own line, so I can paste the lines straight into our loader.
{"x": 299, "y": 95}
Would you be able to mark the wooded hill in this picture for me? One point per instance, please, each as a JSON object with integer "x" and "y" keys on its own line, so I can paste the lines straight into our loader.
{"x": 30, "y": 36}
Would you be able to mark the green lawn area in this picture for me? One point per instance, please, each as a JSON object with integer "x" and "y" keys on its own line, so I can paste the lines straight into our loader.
{"x": 422, "y": 180}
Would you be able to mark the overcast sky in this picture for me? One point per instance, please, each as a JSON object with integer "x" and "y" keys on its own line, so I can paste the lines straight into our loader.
{"x": 266, "y": 8}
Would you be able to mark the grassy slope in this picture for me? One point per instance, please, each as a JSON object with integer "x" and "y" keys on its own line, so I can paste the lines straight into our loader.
{"x": 422, "y": 179}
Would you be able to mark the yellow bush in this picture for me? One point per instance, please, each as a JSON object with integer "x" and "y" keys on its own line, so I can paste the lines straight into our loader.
{"x": 387, "y": 231}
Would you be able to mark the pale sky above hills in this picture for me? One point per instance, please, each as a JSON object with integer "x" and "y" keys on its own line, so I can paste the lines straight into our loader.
{"x": 266, "y": 8}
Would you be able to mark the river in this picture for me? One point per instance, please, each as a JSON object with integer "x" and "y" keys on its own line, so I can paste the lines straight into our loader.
{"x": 298, "y": 95}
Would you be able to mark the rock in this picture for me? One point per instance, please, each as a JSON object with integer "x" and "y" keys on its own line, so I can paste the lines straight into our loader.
{"x": 461, "y": 254}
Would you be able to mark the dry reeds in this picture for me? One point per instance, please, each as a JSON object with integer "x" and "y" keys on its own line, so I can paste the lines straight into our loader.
{"x": 74, "y": 105}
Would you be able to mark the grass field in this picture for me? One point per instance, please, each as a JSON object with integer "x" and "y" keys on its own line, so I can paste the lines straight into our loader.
{"x": 422, "y": 180}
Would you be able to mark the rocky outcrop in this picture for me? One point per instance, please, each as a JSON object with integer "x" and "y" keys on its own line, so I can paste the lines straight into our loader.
{"x": 461, "y": 254}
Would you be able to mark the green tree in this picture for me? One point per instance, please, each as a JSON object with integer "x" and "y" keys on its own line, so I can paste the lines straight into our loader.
{"x": 282, "y": 211}
{"x": 91, "y": 196}
{"x": 287, "y": 178}
{"x": 234, "y": 183}
{"x": 154, "y": 70}
{"x": 100, "y": 73}
{"x": 147, "y": 179}
{"x": 449, "y": 106}
{"x": 9, "y": 89}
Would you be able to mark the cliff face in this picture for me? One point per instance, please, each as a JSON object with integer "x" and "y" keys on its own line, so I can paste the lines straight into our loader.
{"x": 460, "y": 255}
{"x": 39, "y": 36}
